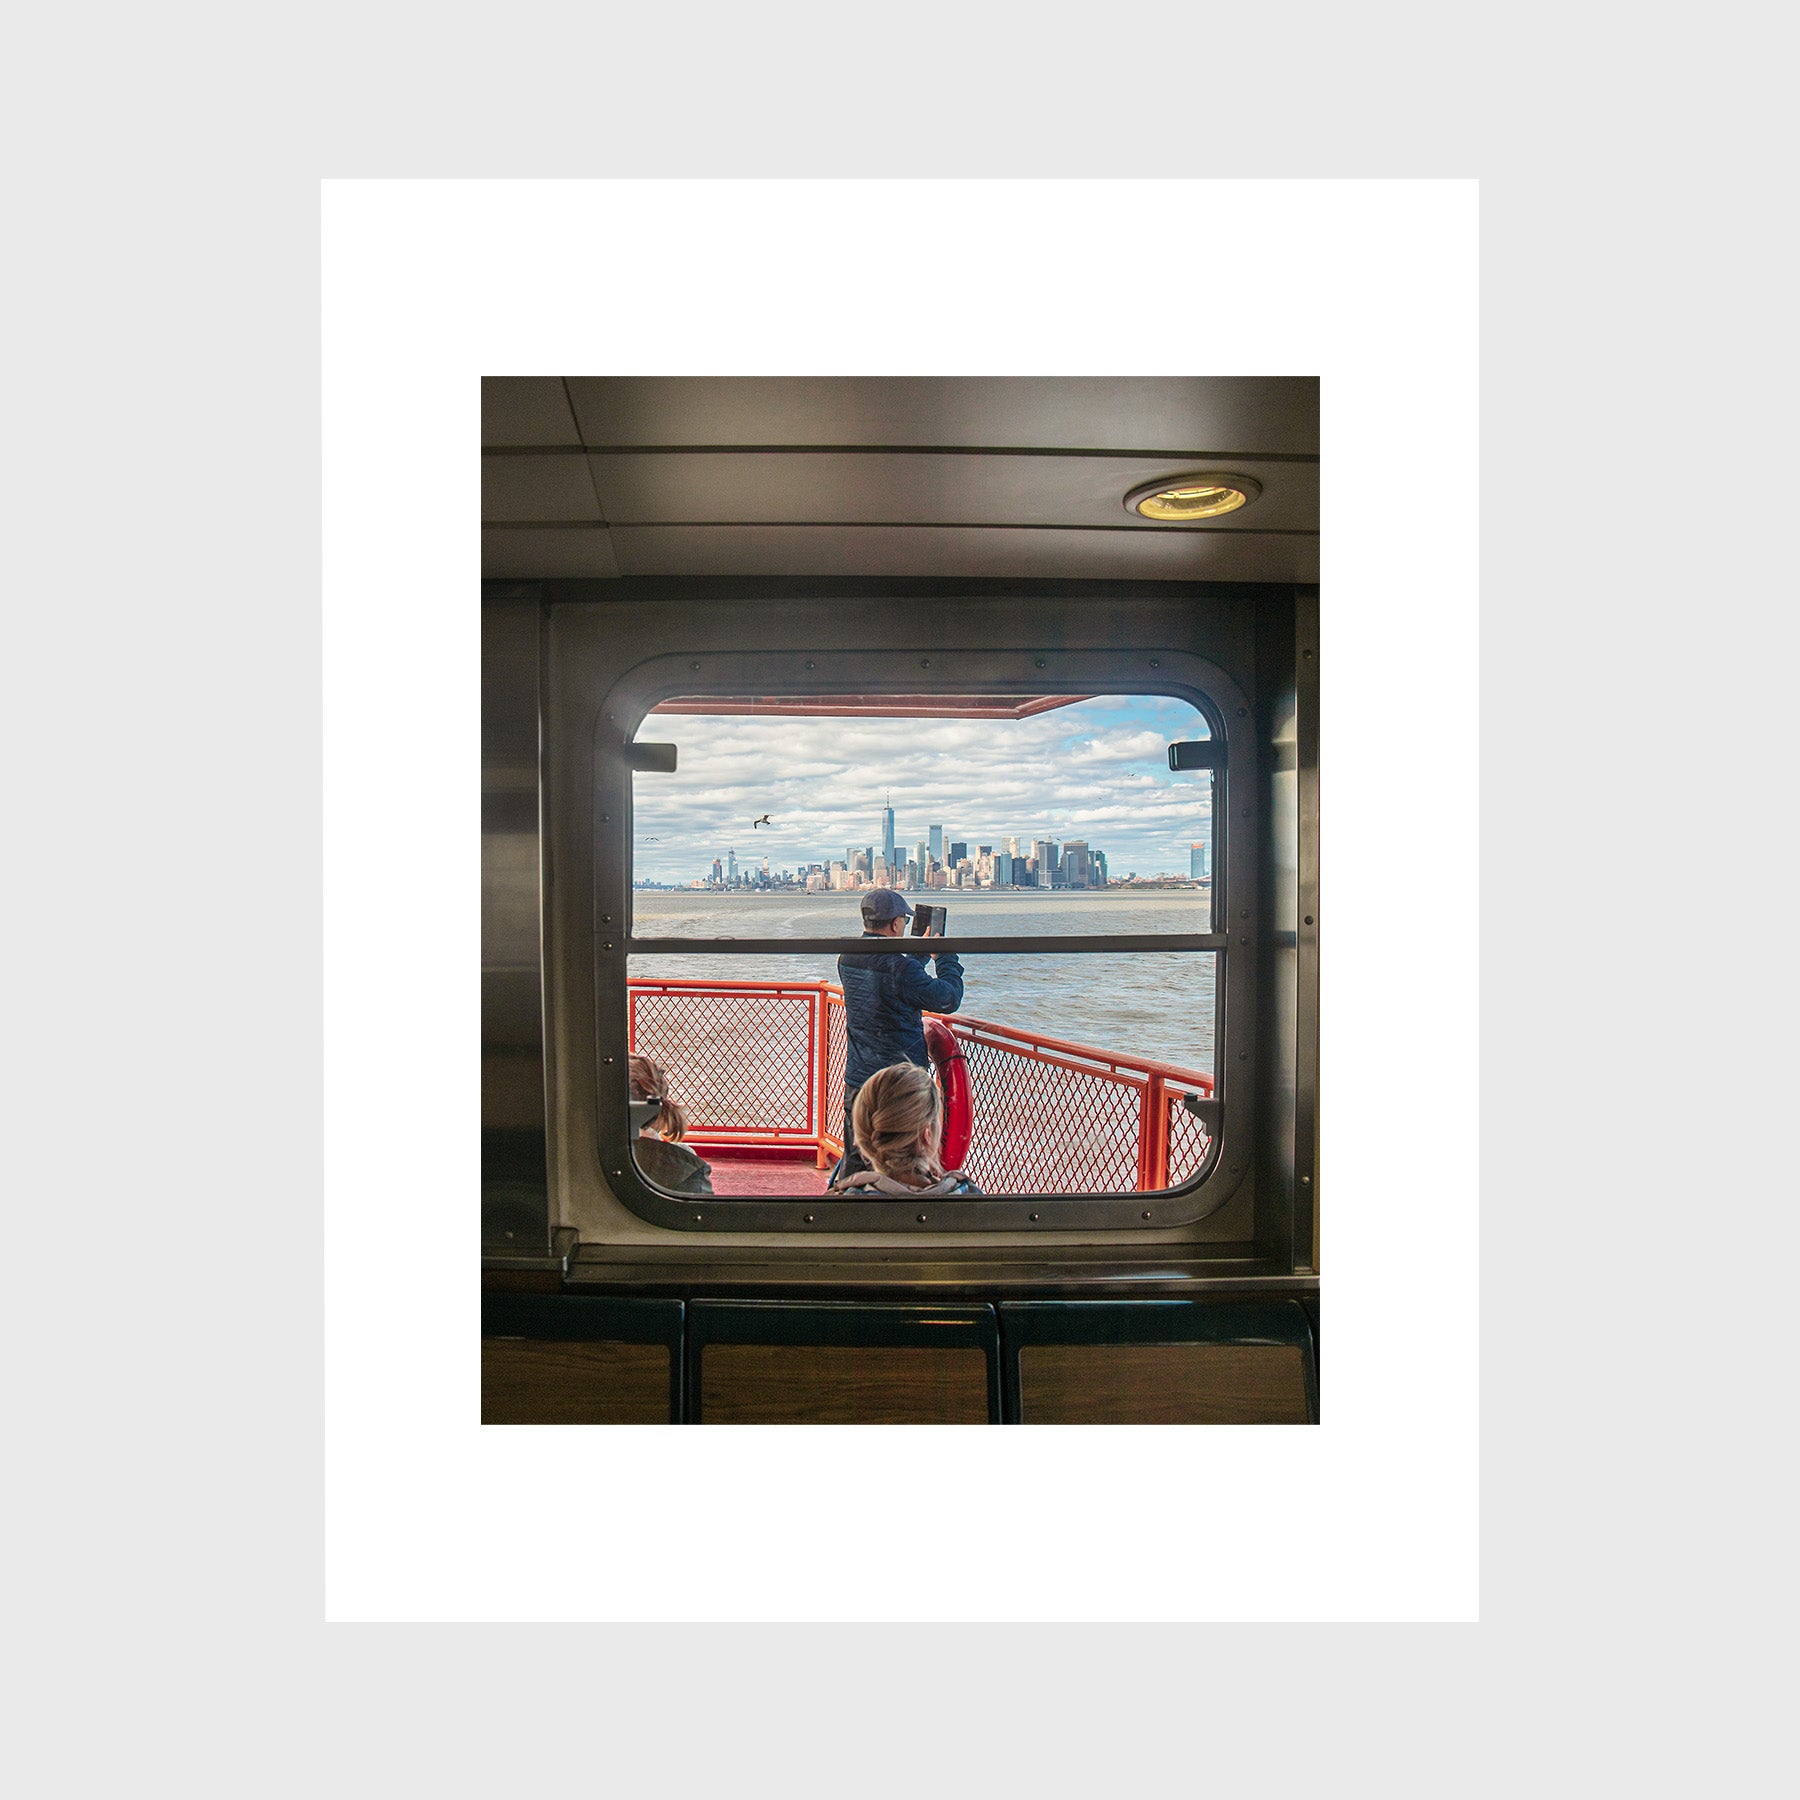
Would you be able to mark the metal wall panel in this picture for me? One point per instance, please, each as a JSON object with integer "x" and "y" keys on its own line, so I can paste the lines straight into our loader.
{"x": 526, "y": 410}
{"x": 520, "y": 490}
{"x": 548, "y": 552}
{"x": 823, "y": 487}
{"x": 515, "y": 1204}
{"x": 963, "y": 552}
{"x": 1201, "y": 415}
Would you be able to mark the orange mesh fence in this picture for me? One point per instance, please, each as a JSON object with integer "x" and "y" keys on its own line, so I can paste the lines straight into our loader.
{"x": 837, "y": 1054}
{"x": 739, "y": 1054}
{"x": 1189, "y": 1140}
{"x": 1046, "y": 1124}
{"x": 764, "y": 1061}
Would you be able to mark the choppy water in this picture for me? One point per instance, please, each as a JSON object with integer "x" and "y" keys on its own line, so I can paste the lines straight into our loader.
{"x": 1155, "y": 1005}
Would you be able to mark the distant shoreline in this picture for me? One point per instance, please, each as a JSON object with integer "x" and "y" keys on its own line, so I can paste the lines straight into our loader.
{"x": 933, "y": 895}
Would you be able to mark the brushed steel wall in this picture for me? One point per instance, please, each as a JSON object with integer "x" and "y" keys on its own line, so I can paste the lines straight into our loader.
{"x": 515, "y": 1206}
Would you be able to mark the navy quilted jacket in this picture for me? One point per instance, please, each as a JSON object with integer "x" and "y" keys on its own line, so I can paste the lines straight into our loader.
{"x": 885, "y": 996}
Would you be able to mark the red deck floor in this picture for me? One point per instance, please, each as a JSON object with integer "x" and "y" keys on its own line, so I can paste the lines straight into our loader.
{"x": 736, "y": 1174}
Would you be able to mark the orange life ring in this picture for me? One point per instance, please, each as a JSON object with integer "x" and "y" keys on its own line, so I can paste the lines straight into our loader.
{"x": 952, "y": 1070}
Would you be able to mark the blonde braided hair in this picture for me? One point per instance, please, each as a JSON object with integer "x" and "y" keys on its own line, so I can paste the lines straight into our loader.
{"x": 894, "y": 1107}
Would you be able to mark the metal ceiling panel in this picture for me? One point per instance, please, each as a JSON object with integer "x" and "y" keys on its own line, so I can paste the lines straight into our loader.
{"x": 961, "y": 551}
{"x": 1203, "y": 416}
{"x": 526, "y": 409}
{"x": 526, "y": 553}
{"x": 808, "y": 487}
{"x": 519, "y": 490}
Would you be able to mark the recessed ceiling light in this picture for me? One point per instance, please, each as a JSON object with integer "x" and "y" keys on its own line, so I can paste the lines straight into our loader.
{"x": 1192, "y": 497}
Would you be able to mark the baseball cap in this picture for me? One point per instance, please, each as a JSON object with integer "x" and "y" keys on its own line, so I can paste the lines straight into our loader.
{"x": 882, "y": 905}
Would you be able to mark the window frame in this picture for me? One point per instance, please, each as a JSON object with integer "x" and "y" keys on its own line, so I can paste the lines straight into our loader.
{"x": 1236, "y": 877}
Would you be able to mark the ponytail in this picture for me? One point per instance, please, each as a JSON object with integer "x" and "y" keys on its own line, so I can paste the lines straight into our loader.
{"x": 650, "y": 1081}
{"x": 894, "y": 1108}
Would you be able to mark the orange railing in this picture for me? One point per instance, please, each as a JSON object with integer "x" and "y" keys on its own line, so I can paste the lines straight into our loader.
{"x": 762, "y": 1063}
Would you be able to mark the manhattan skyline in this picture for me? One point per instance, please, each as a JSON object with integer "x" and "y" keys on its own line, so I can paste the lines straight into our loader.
{"x": 1096, "y": 771}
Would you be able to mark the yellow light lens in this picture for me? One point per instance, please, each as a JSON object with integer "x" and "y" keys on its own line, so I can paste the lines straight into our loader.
{"x": 1199, "y": 501}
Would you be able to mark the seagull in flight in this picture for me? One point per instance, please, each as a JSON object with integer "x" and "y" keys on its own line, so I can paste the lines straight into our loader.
{"x": 764, "y": 820}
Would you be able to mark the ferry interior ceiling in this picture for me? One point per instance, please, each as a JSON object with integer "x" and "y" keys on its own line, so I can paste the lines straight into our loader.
{"x": 1040, "y": 652}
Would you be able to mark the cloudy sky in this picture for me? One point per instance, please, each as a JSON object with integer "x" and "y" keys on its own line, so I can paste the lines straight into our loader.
{"x": 1097, "y": 770}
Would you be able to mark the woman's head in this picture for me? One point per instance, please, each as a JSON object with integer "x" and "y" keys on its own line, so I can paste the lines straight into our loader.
{"x": 899, "y": 1124}
{"x": 650, "y": 1081}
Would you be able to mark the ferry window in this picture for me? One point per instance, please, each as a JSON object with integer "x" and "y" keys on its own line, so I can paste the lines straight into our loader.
{"x": 1055, "y": 819}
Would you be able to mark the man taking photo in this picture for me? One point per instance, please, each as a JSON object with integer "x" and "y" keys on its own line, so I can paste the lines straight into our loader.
{"x": 885, "y": 999}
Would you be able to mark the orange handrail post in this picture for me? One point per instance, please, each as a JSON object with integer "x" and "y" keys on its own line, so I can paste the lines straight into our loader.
{"x": 1151, "y": 1114}
{"x": 1159, "y": 1100}
{"x": 821, "y": 1071}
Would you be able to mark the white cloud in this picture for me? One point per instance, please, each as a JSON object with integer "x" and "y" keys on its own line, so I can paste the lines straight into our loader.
{"x": 1098, "y": 770}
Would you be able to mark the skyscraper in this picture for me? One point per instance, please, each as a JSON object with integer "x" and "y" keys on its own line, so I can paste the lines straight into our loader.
{"x": 1197, "y": 861}
{"x": 730, "y": 865}
{"x": 887, "y": 835}
{"x": 936, "y": 837}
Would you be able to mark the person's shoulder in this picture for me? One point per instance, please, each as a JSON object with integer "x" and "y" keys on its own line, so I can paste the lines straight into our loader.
{"x": 670, "y": 1155}
{"x": 859, "y": 1184}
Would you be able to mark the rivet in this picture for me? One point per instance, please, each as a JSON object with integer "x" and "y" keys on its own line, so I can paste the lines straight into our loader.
{"x": 1143, "y": 1215}
{"x": 1243, "y": 812}
{"x": 812, "y": 665}
{"x": 1243, "y": 1056}
{"x": 693, "y": 665}
{"x": 609, "y": 946}
{"x": 809, "y": 1218}
{"x": 1243, "y": 912}
{"x": 617, "y": 1173}
{"x": 1243, "y": 712}
{"x": 1309, "y": 918}
{"x": 605, "y": 818}
{"x": 924, "y": 662}
{"x": 1306, "y": 1181}
{"x": 509, "y": 1234}
{"x": 606, "y": 918}
{"x": 1156, "y": 662}
{"x": 1242, "y": 940}
{"x": 611, "y": 1059}
{"x": 1035, "y": 1217}
{"x": 1306, "y": 653}
{"x": 1040, "y": 662}
{"x": 699, "y": 1218}
{"x": 921, "y": 1218}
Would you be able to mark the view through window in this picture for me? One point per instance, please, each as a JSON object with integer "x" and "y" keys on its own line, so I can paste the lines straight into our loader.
{"x": 1054, "y": 817}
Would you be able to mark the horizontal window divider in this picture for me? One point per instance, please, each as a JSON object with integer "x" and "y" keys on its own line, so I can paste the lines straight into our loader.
{"x": 1129, "y": 944}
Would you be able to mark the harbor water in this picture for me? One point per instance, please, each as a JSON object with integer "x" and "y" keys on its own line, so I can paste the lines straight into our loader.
{"x": 1151, "y": 1004}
